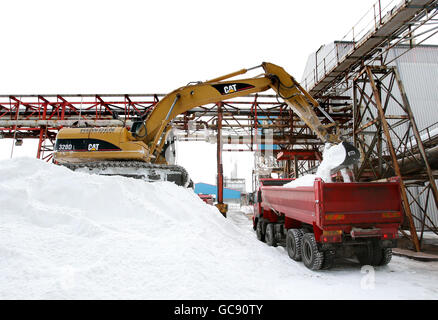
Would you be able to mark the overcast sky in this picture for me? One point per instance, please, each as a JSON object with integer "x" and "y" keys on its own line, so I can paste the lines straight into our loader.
{"x": 157, "y": 46}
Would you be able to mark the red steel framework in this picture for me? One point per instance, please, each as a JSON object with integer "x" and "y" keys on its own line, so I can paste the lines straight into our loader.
{"x": 245, "y": 120}
{"x": 249, "y": 122}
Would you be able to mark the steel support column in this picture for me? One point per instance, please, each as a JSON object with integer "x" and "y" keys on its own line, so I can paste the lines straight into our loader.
{"x": 220, "y": 178}
{"x": 394, "y": 158}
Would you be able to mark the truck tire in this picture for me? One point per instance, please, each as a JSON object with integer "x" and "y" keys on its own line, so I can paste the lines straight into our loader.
{"x": 377, "y": 254}
{"x": 270, "y": 235}
{"x": 329, "y": 259}
{"x": 259, "y": 231}
{"x": 312, "y": 257}
{"x": 365, "y": 255}
{"x": 372, "y": 254}
{"x": 294, "y": 239}
{"x": 386, "y": 256}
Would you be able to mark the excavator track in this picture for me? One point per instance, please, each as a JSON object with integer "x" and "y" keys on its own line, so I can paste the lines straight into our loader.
{"x": 135, "y": 169}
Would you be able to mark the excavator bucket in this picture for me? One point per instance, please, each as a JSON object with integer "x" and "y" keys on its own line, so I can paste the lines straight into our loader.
{"x": 351, "y": 156}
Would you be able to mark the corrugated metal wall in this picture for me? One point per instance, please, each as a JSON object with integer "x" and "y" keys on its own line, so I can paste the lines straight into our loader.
{"x": 419, "y": 72}
{"x": 325, "y": 58}
{"x": 432, "y": 211}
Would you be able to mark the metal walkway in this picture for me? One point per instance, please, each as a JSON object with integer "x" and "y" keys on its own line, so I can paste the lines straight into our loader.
{"x": 403, "y": 17}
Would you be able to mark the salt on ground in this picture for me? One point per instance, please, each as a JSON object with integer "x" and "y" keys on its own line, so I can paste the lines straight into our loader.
{"x": 69, "y": 235}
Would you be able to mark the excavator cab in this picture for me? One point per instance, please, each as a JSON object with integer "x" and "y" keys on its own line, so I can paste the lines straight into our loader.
{"x": 136, "y": 126}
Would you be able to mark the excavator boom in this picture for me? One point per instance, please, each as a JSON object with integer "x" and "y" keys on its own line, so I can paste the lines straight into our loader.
{"x": 145, "y": 140}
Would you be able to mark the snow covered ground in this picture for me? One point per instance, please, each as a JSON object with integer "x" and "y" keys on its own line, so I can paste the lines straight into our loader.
{"x": 66, "y": 235}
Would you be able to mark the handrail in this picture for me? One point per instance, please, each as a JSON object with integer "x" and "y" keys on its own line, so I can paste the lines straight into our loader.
{"x": 369, "y": 22}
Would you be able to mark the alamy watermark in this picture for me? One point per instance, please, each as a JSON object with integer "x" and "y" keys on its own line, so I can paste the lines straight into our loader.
{"x": 368, "y": 281}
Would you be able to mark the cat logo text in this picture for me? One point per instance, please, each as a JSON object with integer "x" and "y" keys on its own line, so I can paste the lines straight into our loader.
{"x": 93, "y": 147}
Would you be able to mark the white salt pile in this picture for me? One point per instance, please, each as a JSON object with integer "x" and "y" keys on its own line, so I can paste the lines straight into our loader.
{"x": 70, "y": 235}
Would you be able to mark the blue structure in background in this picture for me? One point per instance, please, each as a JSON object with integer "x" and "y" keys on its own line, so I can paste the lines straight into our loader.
{"x": 206, "y": 188}
{"x": 261, "y": 132}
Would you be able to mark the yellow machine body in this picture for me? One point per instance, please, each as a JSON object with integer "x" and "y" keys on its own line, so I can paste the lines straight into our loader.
{"x": 77, "y": 145}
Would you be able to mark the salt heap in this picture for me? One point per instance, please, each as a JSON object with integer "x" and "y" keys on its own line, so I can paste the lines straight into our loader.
{"x": 74, "y": 235}
{"x": 70, "y": 235}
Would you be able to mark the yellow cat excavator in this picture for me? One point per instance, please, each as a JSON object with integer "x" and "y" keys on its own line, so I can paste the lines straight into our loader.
{"x": 138, "y": 151}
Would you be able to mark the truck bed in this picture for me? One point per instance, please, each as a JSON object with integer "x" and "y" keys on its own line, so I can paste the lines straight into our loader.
{"x": 337, "y": 205}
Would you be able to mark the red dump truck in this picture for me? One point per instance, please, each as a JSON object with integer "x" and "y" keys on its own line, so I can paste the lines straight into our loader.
{"x": 207, "y": 198}
{"x": 318, "y": 223}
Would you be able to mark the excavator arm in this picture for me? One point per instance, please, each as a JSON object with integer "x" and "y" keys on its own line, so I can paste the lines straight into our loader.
{"x": 137, "y": 152}
{"x": 215, "y": 90}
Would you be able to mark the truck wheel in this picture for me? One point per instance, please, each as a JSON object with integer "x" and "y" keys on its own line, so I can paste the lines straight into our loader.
{"x": 329, "y": 259}
{"x": 377, "y": 254}
{"x": 386, "y": 256}
{"x": 270, "y": 235}
{"x": 372, "y": 254}
{"x": 312, "y": 257}
{"x": 293, "y": 243}
{"x": 259, "y": 231}
{"x": 365, "y": 255}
